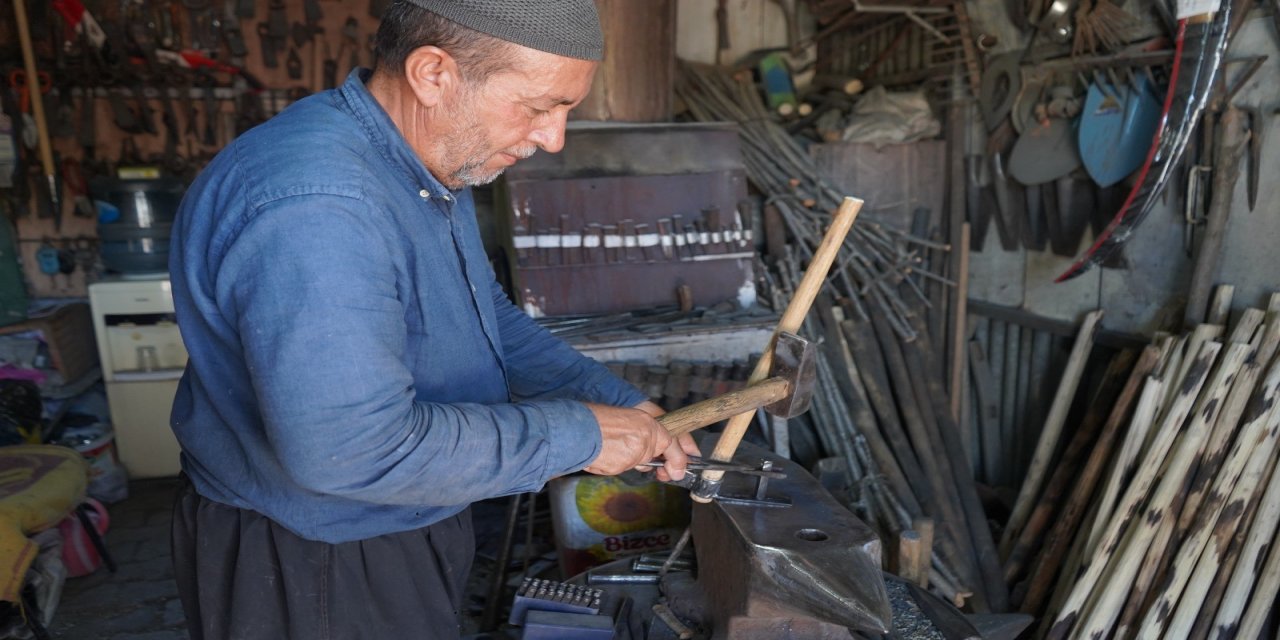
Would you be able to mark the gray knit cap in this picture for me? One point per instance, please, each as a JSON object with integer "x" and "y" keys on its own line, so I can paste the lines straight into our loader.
{"x": 569, "y": 28}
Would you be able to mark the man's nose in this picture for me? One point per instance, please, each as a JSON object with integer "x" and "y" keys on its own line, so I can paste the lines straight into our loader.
{"x": 550, "y": 136}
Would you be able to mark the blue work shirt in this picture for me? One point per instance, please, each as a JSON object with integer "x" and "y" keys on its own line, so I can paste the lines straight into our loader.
{"x": 355, "y": 369}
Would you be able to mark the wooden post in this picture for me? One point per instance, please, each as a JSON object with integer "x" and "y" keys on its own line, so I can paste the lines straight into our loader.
{"x": 1261, "y": 533}
{"x": 1226, "y": 169}
{"x": 912, "y": 560}
{"x": 988, "y": 411}
{"x": 1136, "y": 493}
{"x": 1066, "y": 525}
{"x": 924, "y": 527}
{"x": 1068, "y": 472}
{"x": 1220, "y": 306}
{"x": 1200, "y": 554}
{"x": 1144, "y": 418}
{"x": 636, "y": 80}
{"x": 1265, "y": 578}
{"x": 1111, "y": 593}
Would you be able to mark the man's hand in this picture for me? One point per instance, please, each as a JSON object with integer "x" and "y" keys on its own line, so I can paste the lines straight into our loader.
{"x": 631, "y": 437}
{"x": 669, "y": 471}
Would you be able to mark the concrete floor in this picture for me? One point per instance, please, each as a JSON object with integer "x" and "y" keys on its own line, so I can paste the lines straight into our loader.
{"x": 140, "y": 600}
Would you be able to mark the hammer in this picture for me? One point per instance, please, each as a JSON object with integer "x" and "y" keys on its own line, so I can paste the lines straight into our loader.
{"x": 786, "y": 392}
{"x": 792, "y": 318}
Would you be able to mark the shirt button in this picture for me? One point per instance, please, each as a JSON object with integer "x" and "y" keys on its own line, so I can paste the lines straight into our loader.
{"x": 424, "y": 194}
{"x": 447, "y": 198}
{"x": 473, "y": 288}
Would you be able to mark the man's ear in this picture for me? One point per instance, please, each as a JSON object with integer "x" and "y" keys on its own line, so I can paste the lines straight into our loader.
{"x": 432, "y": 74}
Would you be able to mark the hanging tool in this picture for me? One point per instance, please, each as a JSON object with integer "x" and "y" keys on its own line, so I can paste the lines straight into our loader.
{"x": 66, "y": 265}
{"x": 47, "y": 261}
{"x": 62, "y": 125}
{"x": 1255, "y": 125}
{"x": 329, "y": 72}
{"x": 87, "y": 131}
{"x": 73, "y": 178}
{"x": 146, "y": 117}
{"x": 350, "y": 42}
{"x": 1116, "y": 128}
{"x": 201, "y": 16}
{"x": 80, "y": 23}
{"x": 21, "y": 83}
{"x": 277, "y": 20}
{"x": 267, "y": 44}
{"x": 234, "y": 38}
{"x": 293, "y": 65}
{"x": 209, "y": 85}
{"x": 37, "y": 105}
{"x": 13, "y": 166}
{"x": 1200, "y": 46}
{"x": 791, "y": 320}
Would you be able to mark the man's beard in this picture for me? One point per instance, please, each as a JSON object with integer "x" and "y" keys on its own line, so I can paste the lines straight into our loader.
{"x": 468, "y": 140}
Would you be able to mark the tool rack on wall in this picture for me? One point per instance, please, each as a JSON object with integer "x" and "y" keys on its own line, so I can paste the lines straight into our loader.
{"x": 627, "y": 217}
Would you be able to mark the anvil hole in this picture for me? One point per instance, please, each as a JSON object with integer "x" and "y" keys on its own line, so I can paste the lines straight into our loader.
{"x": 812, "y": 535}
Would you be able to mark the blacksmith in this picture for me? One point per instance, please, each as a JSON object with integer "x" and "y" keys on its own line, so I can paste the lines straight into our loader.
{"x": 356, "y": 377}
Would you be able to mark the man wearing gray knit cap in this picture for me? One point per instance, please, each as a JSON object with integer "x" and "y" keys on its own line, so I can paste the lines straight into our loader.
{"x": 356, "y": 376}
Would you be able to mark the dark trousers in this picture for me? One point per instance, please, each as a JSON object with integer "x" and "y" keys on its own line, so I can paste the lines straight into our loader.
{"x": 241, "y": 576}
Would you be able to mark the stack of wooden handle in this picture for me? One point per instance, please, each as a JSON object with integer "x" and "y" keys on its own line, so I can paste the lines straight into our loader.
{"x": 1157, "y": 520}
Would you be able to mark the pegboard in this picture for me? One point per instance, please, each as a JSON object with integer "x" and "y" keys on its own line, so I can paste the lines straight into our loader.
{"x": 91, "y": 92}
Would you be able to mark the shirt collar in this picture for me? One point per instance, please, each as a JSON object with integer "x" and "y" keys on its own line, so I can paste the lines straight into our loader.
{"x": 386, "y": 136}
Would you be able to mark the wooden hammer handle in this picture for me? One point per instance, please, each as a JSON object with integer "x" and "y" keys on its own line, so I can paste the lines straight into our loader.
{"x": 791, "y": 320}
{"x": 708, "y": 412}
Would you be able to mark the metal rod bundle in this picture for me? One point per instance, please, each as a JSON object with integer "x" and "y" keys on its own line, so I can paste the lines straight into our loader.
{"x": 881, "y": 408}
{"x": 875, "y": 259}
{"x": 881, "y": 405}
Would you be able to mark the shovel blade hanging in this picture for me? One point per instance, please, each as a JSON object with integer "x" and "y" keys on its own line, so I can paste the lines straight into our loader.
{"x": 1116, "y": 128}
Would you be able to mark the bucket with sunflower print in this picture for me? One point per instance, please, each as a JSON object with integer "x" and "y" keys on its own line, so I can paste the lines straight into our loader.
{"x": 601, "y": 518}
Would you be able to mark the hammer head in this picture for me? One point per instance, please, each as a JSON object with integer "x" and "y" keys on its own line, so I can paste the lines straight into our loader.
{"x": 794, "y": 360}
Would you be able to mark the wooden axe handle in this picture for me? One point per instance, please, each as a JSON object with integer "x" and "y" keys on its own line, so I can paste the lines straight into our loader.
{"x": 791, "y": 320}
{"x": 708, "y": 412}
